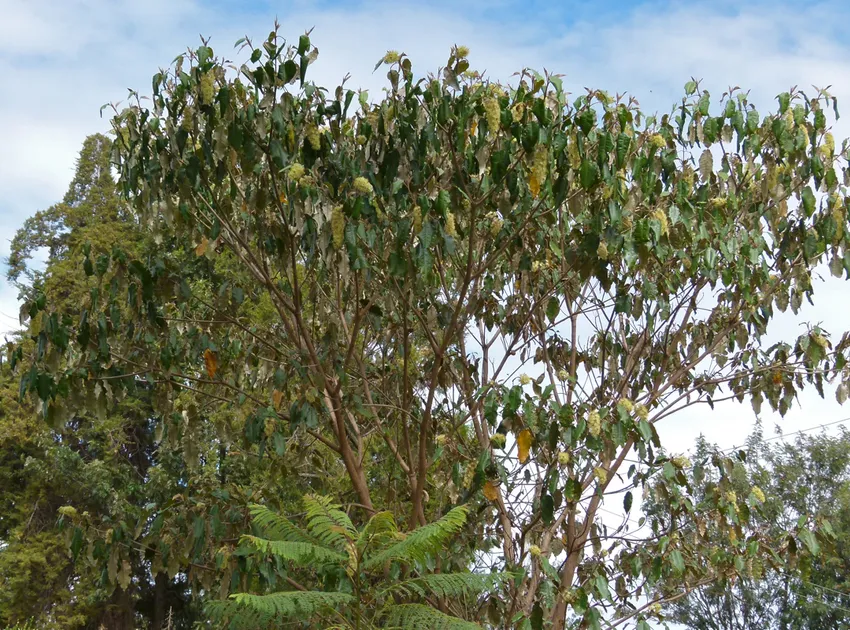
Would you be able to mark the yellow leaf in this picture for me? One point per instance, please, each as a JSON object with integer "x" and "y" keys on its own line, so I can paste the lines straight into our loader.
{"x": 210, "y": 362}
{"x": 277, "y": 396}
{"x": 201, "y": 249}
{"x": 491, "y": 493}
{"x": 534, "y": 185}
{"x": 282, "y": 198}
{"x": 124, "y": 575}
{"x": 523, "y": 441}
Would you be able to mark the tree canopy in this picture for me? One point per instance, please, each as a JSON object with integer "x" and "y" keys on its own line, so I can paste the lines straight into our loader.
{"x": 807, "y": 479}
{"x": 461, "y": 293}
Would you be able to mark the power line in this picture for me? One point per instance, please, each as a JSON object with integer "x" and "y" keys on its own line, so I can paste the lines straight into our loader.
{"x": 786, "y": 435}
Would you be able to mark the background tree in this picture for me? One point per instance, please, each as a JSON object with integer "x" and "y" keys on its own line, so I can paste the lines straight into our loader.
{"x": 808, "y": 479}
{"x": 147, "y": 508}
{"x": 389, "y": 265}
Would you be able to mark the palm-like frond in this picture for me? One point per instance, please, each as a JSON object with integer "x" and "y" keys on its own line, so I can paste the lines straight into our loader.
{"x": 381, "y": 528}
{"x": 301, "y": 553}
{"x": 301, "y": 605}
{"x": 421, "y": 542}
{"x": 277, "y": 527}
{"x": 244, "y": 610}
{"x": 327, "y": 522}
{"x": 451, "y": 584}
{"x": 422, "y": 617}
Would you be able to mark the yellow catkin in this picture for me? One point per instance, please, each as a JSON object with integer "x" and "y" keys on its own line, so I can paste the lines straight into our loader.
{"x": 362, "y": 185}
{"x": 495, "y": 223}
{"x": 451, "y": 229}
{"x": 538, "y": 171}
{"x": 658, "y": 141}
{"x": 601, "y": 474}
{"x": 493, "y": 113}
{"x": 661, "y": 216}
{"x": 594, "y": 423}
{"x": 337, "y": 226}
{"x": 314, "y": 138}
{"x": 417, "y": 220}
{"x": 206, "y": 89}
{"x": 188, "y": 114}
{"x": 296, "y": 171}
{"x": 517, "y": 111}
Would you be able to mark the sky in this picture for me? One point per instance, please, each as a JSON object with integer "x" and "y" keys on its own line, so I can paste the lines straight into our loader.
{"x": 61, "y": 60}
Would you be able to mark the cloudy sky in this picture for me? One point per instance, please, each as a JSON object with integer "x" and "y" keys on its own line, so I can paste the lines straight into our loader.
{"x": 60, "y": 60}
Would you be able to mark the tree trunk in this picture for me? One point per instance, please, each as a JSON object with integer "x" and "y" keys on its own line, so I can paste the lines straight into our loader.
{"x": 119, "y": 612}
{"x": 159, "y": 601}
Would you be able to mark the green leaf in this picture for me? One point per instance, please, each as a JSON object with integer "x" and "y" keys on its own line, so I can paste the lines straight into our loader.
{"x": 421, "y": 542}
{"x": 422, "y": 617}
{"x": 588, "y": 174}
{"x": 303, "y": 44}
{"x": 586, "y": 120}
{"x": 547, "y": 508}
{"x": 451, "y": 584}
{"x": 536, "y": 619}
{"x": 300, "y": 553}
{"x": 572, "y": 490}
{"x": 262, "y": 610}
{"x": 622, "y": 149}
{"x": 553, "y": 307}
{"x": 677, "y": 561}
{"x": 601, "y": 584}
{"x": 808, "y": 201}
{"x": 809, "y": 539}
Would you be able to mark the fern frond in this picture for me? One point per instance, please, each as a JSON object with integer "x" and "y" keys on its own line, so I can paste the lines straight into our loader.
{"x": 327, "y": 522}
{"x": 277, "y": 527}
{"x": 380, "y": 528}
{"x": 422, "y": 617}
{"x": 420, "y": 542}
{"x": 452, "y": 584}
{"x": 245, "y": 610}
{"x": 300, "y": 553}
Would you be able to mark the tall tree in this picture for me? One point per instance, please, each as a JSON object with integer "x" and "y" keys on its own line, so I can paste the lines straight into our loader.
{"x": 380, "y": 269}
{"x": 808, "y": 479}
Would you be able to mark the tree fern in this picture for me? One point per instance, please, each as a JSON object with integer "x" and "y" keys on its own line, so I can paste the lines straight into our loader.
{"x": 380, "y": 529}
{"x": 422, "y": 617}
{"x": 451, "y": 584}
{"x": 327, "y": 522}
{"x": 332, "y": 543}
{"x": 277, "y": 527}
{"x": 419, "y": 543}
{"x": 245, "y": 610}
{"x": 300, "y": 553}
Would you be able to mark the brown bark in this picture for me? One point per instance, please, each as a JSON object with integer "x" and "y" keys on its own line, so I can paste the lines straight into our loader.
{"x": 159, "y": 601}
{"x": 119, "y": 614}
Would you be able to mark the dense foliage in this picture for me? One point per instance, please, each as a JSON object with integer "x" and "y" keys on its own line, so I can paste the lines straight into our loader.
{"x": 809, "y": 481}
{"x": 335, "y": 295}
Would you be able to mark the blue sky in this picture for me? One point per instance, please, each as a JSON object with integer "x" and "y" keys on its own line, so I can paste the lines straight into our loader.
{"x": 60, "y": 60}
